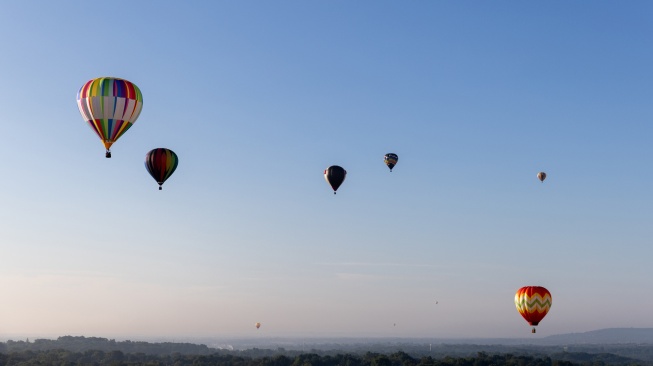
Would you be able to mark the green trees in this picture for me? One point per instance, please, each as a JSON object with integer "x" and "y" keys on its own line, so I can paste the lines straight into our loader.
{"x": 72, "y": 351}
{"x": 118, "y": 358}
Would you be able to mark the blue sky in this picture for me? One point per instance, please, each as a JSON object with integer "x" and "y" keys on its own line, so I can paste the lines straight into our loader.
{"x": 258, "y": 98}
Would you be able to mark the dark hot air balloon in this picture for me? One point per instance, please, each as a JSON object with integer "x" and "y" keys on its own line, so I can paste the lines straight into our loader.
{"x": 390, "y": 160}
{"x": 541, "y": 176}
{"x": 335, "y": 175}
{"x": 161, "y": 163}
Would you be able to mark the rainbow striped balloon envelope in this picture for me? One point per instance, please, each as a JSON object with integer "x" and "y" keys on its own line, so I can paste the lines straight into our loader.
{"x": 533, "y": 303}
{"x": 161, "y": 163}
{"x": 110, "y": 106}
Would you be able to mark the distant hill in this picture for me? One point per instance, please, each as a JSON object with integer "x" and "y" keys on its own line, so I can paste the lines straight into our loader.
{"x": 595, "y": 337}
{"x": 602, "y": 336}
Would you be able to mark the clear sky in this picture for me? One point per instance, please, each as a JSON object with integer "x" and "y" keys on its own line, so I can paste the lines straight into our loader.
{"x": 259, "y": 97}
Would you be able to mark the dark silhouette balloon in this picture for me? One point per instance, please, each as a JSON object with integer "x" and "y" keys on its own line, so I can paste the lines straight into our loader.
{"x": 541, "y": 176}
{"x": 335, "y": 175}
{"x": 391, "y": 160}
{"x": 161, "y": 163}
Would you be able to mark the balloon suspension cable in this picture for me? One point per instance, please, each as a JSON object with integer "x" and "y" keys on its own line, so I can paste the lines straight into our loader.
{"x": 533, "y": 331}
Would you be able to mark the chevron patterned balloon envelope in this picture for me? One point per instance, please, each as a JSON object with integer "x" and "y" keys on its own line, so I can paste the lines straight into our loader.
{"x": 533, "y": 303}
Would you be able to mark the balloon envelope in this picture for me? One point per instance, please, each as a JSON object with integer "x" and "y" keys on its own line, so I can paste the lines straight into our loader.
{"x": 110, "y": 106}
{"x": 541, "y": 176}
{"x": 335, "y": 175}
{"x": 258, "y": 325}
{"x": 533, "y": 303}
{"x": 161, "y": 163}
{"x": 390, "y": 160}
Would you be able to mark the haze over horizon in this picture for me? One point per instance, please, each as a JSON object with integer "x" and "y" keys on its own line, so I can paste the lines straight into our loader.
{"x": 258, "y": 98}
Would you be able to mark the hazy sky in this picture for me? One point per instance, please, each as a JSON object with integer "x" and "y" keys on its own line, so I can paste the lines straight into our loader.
{"x": 259, "y": 97}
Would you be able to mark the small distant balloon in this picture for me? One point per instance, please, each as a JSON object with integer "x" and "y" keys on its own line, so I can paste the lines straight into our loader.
{"x": 391, "y": 160}
{"x": 161, "y": 163}
{"x": 335, "y": 175}
{"x": 541, "y": 176}
{"x": 257, "y": 325}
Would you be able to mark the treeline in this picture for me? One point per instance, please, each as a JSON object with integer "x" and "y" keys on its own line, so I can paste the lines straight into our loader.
{"x": 83, "y": 344}
{"x": 117, "y": 358}
{"x": 70, "y": 350}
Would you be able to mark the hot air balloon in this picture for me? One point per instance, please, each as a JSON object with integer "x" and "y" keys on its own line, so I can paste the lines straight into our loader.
{"x": 335, "y": 175}
{"x": 541, "y": 176}
{"x": 161, "y": 163}
{"x": 390, "y": 160}
{"x": 533, "y": 303}
{"x": 110, "y": 106}
{"x": 258, "y": 325}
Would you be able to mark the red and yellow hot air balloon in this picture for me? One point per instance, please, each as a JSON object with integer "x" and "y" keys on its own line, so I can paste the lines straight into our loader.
{"x": 110, "y": 106}
{"x": 533, "y": 303}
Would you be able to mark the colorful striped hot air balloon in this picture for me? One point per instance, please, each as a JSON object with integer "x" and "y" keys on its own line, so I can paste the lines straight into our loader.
{"x": 110, "y": 106}
{"x": 161, "y": 163}
{"x": 533, "y": 303}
